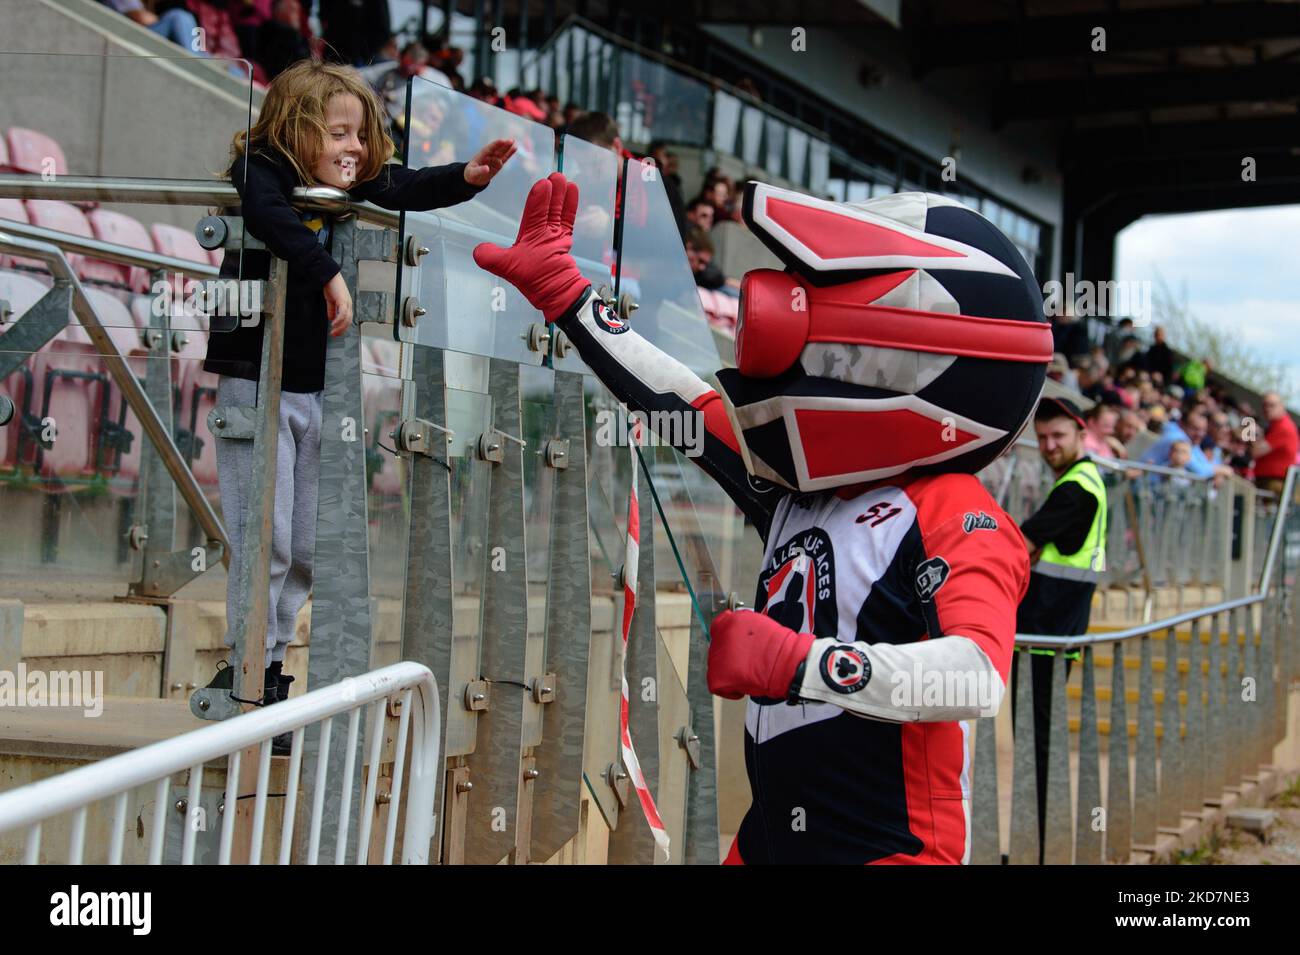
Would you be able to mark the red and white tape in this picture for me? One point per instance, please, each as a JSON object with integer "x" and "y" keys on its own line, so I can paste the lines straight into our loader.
{"x": 630, "y": 562}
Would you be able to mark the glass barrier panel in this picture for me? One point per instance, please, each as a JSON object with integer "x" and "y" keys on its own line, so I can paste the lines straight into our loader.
{"x": 537, "y": 407}
{"x": 653, "y": 270}
{"x": 70, "y": 460}
{"x": 595, "y": 171}
{"x": 467, "y": 309}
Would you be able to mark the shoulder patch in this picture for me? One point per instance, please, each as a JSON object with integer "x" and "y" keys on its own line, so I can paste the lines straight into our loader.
{"x": 978, "y": 522}
{"x": 930, "y": 575}
{"x": 845, "y": 669}
{"x": 606, "y": 319}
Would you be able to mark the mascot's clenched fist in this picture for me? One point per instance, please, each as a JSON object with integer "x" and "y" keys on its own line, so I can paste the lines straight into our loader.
{"x": 901, "y": 349}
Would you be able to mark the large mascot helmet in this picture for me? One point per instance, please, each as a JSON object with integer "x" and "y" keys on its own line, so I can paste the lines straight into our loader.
{"x": 906, "y": 334}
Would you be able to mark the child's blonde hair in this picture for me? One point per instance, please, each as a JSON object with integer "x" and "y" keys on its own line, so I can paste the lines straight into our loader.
{"x": 292, "y": 119}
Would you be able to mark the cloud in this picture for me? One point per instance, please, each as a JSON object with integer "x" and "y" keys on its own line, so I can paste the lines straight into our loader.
{"x": 1237, "y": 265}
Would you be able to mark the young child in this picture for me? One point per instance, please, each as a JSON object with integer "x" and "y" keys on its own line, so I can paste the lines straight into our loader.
{"x": 320, "y": 124}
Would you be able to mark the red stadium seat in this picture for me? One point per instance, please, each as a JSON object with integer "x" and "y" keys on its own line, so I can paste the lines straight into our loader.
{"x": 21, "y": 292}
{"x": 194, "y": 390}
{"x": 14, "y": 210}
{"x": 121, "y": 229}
{"x": 64, "y": 217}
{"x": 118, "y": 461}
{"x": 36, "y": 154}
{"x": 179, "y": 244}
{"x": 382, "y": 400}
{"x": 70, "y": 385}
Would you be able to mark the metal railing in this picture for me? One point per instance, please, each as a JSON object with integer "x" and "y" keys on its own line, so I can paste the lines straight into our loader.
{"x": 1214, "y": 720}
{"x": 131, "y": 779}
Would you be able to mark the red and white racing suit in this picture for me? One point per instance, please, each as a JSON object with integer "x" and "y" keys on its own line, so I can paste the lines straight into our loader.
{"x": 910, "y": 587}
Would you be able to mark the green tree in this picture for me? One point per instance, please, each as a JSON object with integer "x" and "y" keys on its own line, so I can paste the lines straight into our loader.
{"x": 1230, "y": 356}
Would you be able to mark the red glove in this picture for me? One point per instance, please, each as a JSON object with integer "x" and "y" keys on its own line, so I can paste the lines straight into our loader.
{"x": 750, "y": 654}
{"x": 539, "y": 263}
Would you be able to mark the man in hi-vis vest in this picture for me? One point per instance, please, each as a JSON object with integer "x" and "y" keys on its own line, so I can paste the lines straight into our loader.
{"x": 1067, "y": 550}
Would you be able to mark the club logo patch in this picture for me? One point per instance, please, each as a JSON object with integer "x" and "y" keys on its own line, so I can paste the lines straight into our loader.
{"x": 930, "y": 575}
{"x": 798, "y": 588}
{"x": 978, "y": 522}
{"x": 606, "y": 319}
{"x": 845, "y": 669}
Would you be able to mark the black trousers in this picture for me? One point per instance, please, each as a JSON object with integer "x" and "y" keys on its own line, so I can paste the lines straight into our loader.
{"x": 1040, "y": 676}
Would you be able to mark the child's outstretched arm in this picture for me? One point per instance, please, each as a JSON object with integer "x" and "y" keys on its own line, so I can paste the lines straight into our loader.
{"x": 435, "y": 187}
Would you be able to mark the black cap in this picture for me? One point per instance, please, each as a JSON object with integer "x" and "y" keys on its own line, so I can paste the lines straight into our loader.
{"x": 1062, "y": 405}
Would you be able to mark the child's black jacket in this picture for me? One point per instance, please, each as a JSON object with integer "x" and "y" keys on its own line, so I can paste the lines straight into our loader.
{"x": 266, "y": 191}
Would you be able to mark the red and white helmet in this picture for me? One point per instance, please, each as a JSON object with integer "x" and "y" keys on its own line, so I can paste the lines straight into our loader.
{"x": 906, "y": 333}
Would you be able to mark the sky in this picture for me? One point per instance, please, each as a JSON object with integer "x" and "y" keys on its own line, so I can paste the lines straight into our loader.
{"x": 1240, "y": 268}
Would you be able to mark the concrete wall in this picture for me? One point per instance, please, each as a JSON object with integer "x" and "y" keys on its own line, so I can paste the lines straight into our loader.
{"x": 79, "y": 73}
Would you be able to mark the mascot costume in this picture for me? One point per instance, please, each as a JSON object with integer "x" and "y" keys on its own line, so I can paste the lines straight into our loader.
{"x": 900, "y": 351}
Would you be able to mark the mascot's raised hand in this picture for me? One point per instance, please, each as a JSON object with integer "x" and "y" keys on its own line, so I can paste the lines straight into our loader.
{"x": 539, "y": 263}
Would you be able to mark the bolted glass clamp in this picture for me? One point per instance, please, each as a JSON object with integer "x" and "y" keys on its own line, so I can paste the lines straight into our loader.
{"x": 617, "y": 779}
{"x": 544, "y": 688}
{"x": 556, "y": 453}
{"x": 690, "y": 742}
{"x": 476, "y": 696}
{"x": 537, "y": 337}
{"x": 412, "y": 311}
{"x": 490, "y": 449}
{"x": 414, "y": 250}
{"x": 416, "y": 435}
{"x": 6, "y": 410}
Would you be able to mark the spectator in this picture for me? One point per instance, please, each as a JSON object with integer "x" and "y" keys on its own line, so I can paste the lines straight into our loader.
{"x": 1059, "y": 371}
{"x": 1277, "y": 450}
{"x": 248, "y": 17}
{"x": 1099, "y": 436}
{"x": 700, "y": 214}
{"x": 598, "y": 129}
{"x": 666, "y": 160}
{"x": 391, "y": 87}
{"x": 1067, "y": 547}
{"x": 1130, "y": 429}
{"x": 699, "y": 253}
{"x": 1197, "y": 464}
{"x": 571, "y": 112}
{"x": 1193, "y": 374}
{"x": 175, "y": 22}
{"x": 1115, "y": 339}
{"x": 354, "y": 30}
{"x": 280, "y": 41}
{"x": 1069, "y": 337}
{"x": 1159, "y": 358}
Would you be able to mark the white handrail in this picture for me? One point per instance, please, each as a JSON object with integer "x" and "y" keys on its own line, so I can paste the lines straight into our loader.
{"x": 29, "y": 806}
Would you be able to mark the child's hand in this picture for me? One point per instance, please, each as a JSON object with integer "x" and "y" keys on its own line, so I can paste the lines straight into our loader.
{"x": 338, "y": 305}
{"x": 480, "y": 170}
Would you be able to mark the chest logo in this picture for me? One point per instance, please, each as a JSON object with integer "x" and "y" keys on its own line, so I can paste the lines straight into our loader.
{"x": 845, "y": 669}
{"x": 797, "y": 589}
{"x": 930, "y": 575}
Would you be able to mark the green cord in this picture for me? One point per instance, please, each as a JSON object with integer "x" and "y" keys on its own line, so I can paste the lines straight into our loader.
{"x": 704, "y": 623}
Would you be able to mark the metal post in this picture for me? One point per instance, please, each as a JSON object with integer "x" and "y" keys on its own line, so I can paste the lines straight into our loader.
{"x": 568, "y": 633}
{"x": 986, "y": 835}
{"x": 1119, "y": 799}
{"x": 1089, "y": 828}
{"x": 1024, "y": 775}
{"x": 341, "y": 626}
{"x": 427, "y": 608}
{"x": 1057, "y": 833}
{"x": 1146, "y": 791}
{"x": 496, "y": 763}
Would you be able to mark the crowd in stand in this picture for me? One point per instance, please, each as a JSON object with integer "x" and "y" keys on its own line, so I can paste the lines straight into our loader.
{"x": 1150, "y": 407}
